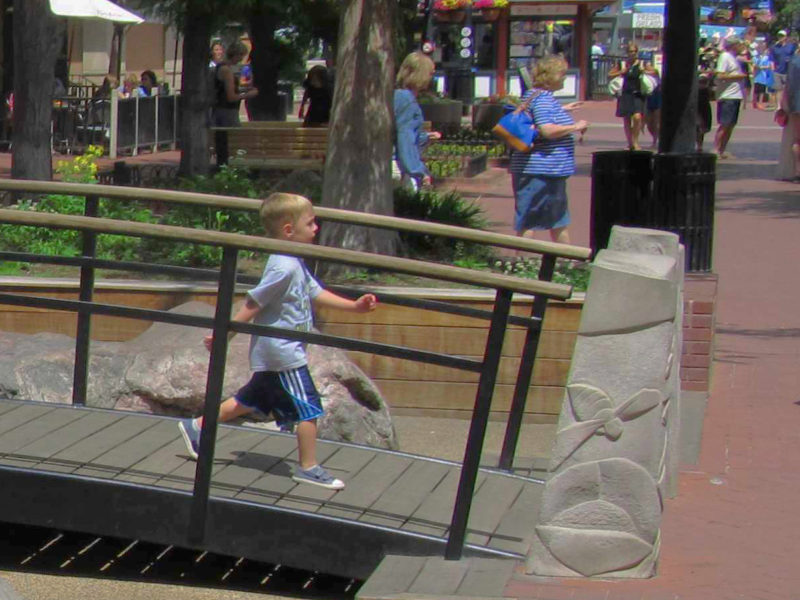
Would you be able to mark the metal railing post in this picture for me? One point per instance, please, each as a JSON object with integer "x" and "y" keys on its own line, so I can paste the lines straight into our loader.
{"x": 80, "y": 374}
{"x": 477, "y": 429}
{"x": 113, "y": 140}
{"x": 216, "y": 376}
{"x": 135, "y": 150}
{"x": 155, "y": 135}
{"x": 525, "y": 371}
{"x": 174, "y": 121}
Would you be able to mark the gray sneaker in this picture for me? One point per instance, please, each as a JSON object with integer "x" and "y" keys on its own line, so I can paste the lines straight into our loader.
{"x": 316, "y": 475}
{"x": 191, "y": 436}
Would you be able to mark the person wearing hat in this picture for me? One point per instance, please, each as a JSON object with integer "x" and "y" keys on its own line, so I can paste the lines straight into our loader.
{"x": 781, "y": 52}
{"x": 730, "y": 93}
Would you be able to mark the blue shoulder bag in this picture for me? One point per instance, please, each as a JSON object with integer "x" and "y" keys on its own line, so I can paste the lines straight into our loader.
{"x": 516, "y": 128}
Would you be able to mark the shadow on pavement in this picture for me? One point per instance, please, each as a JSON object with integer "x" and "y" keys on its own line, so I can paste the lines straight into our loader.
{"x": 784, "y": 203}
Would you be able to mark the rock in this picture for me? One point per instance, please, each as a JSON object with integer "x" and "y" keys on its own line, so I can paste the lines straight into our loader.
{"x": 355, "y": 411}
{"x": 7, "y": 592}
{"x": 163, "y": 371}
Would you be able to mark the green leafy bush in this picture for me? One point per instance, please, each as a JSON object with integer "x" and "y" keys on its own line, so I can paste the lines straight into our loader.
{"x": 448, "y": 208}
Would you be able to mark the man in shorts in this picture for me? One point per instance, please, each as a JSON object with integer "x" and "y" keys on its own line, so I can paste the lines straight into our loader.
{"x": 730, "y": 93}
{"x": 781, "y": 53}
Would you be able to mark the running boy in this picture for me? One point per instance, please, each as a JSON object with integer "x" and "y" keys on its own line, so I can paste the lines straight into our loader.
{"x": 281, "y": 382}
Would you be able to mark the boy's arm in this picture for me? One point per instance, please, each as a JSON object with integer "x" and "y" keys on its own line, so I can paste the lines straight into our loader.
{"x": 327, "y": 299}
{"x": 245, "y": 314}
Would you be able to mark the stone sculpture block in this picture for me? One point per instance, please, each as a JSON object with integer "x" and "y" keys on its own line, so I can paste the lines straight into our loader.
{"x": 602, "y": 505}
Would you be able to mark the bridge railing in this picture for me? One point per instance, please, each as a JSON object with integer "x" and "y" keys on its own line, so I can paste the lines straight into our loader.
{"x": 221, "y": 324}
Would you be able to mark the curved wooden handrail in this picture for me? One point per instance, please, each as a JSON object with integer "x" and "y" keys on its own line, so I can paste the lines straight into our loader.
{"x": 329, "y": 214}
{"x": 311, "y": 251}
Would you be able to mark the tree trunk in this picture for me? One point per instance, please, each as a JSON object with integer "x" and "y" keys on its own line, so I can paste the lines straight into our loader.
{"x": 265, "y": 59}
{"x": 195, "y": 91}
{"x": 38, "y": 37}
{"x": 358, "y": 164}
{"x": 679, "y": 79}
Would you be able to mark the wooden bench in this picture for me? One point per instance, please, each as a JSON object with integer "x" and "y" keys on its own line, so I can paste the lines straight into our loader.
{"x": 282, "y": 147}
{"x": 272, "y": 124}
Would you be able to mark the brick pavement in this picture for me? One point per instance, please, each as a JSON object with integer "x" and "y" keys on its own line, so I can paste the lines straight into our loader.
{"x": 731, "y": 532}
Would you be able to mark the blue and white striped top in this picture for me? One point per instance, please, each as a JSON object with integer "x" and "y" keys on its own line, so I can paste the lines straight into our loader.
{"x": 553, "y": 158}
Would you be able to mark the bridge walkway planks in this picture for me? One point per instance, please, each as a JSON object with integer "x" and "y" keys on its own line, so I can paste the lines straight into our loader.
{"x": 408, "y": 495}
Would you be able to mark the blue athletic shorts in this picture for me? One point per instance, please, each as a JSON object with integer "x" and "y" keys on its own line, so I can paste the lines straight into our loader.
{"x": 539, "y": 202}
{"x": 290, "y": 395}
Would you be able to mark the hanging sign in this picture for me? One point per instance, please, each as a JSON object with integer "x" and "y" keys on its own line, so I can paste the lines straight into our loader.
{"x": 647, "y": 21}
{"x": 544, "y": 9}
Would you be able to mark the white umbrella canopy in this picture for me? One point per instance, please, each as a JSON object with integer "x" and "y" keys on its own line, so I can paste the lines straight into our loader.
{"x": 94, "y": 9}
{"x": 99, "y": 9}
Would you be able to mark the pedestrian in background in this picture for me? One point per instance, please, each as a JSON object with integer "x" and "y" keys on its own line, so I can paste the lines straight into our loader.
{"x": 790, "y": 110}
{"x": 413, "y": 76}
{"x": 781, "y": 53}
{"x": 539, "y": 177}
{"x": 764, "y": 77}
{"x": 630, "y": 104}
{"x": 227, "y": 97}
{"x": 730, "y": 93}
{"x": 319, "y": 97}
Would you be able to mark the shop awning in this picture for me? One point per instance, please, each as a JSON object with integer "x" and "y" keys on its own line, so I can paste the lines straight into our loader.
{"x": 94, "y": 9}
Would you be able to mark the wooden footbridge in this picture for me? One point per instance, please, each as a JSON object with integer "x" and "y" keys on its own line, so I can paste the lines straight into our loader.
{"x": 128, "y": 475}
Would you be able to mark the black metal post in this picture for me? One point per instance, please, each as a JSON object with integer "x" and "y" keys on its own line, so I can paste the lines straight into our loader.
{"x": 525, "y": 370}
{"x": 477, "y": 429}
{"x": 80, "y": 374}
{"x": 679, "y": 80}
{"x": 216, "y": 376}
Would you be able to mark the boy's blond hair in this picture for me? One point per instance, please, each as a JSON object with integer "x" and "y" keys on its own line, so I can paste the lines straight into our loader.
{"x": 280, "y": 208}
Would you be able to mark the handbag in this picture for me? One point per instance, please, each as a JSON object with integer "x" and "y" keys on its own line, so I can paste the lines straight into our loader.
{"x": 781, "y": 118}
{"x": 647, "y": 84}
{"x": 615, "y": 86}
{"x": 516, "y": 128}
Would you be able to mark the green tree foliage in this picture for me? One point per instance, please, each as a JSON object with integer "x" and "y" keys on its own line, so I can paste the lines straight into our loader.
{"x": 787, "y": 14}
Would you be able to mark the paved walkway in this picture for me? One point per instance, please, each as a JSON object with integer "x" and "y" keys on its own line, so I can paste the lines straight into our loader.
{"x": 731, "y": 532}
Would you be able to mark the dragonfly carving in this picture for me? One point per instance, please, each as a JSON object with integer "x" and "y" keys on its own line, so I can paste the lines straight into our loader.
{"x": 596, "y": 414}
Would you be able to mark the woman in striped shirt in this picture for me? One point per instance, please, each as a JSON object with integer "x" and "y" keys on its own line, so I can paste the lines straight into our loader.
{"x": 539, "y": 177}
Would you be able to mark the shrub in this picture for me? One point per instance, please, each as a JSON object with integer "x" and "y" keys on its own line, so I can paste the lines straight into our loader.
{"x": 448, "y": 208}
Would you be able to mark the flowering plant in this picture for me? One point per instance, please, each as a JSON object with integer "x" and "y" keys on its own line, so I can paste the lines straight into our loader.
{"x": 490, "y": 3}
{"x": 451, "y": 4}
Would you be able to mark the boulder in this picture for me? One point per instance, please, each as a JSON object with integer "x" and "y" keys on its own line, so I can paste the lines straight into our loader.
{"x": 163, "y": 371}
{"x": 7, "y": 592}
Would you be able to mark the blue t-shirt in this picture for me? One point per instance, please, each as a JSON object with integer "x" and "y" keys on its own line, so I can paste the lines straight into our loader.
{"x": 764, "y": 75}
{"x": 781, "y": 55}
{"x": 551, "y": 158}
{"x": 284, "y": 294}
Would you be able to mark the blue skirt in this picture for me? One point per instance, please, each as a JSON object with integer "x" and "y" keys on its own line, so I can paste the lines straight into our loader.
{"x": 540, "y": 202}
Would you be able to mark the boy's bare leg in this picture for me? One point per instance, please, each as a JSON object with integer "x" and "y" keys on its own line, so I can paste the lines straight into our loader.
{"x": 560, "y": 235}
{"x": 306, "y": 433}
{"x": 229, "y": 410}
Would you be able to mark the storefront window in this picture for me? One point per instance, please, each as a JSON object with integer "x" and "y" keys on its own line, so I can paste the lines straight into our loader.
{"x": 535, "y": 38}
{"x": 484, "y": 46}
{"x": 450, "y": 43}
